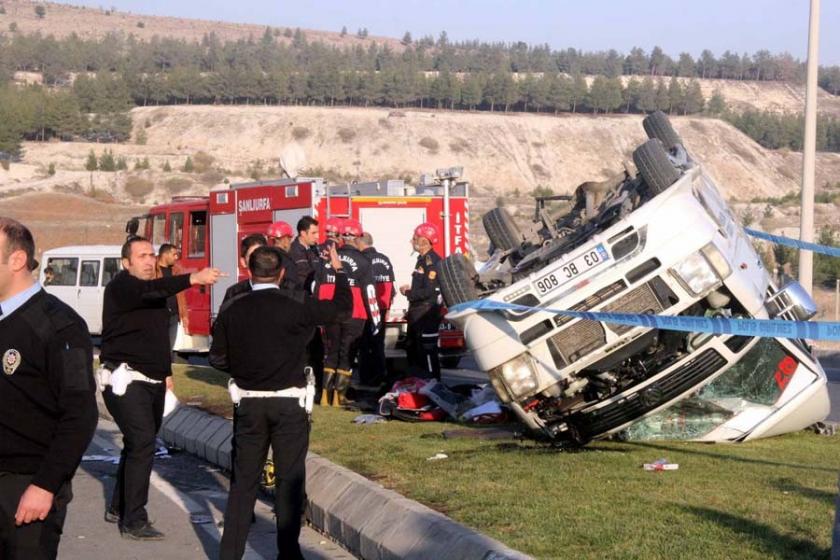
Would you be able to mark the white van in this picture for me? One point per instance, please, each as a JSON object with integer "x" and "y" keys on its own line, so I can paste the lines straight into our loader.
{"x": 79, "y": 277}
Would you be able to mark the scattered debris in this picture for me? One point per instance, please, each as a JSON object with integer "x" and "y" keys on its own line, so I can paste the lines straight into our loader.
{"x": 369, "y": 419}
{"x": 824, "y": 428}
{"x": 114, "y": 460}
{"x": 660, "y": 465}
{"x": 437, "y": 457}
{"x": 201, "y": 518}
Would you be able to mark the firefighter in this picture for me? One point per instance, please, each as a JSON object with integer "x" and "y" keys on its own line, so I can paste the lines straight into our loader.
{"x": 280, "y": 235}
{"x": 340, "y": 338}
{"x": 424, "y": 302}
{"x": 259, "y": 338}
{"x": 47, "y": 398}
{"x": 372, "y": 368}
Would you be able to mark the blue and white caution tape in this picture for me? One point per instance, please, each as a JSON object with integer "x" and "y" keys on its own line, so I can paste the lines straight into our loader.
{"x": 771, "y": 328}
{"x": 795, "y": 243}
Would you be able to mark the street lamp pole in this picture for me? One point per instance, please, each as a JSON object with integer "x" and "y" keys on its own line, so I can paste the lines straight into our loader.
{"x": 806, "y": 223}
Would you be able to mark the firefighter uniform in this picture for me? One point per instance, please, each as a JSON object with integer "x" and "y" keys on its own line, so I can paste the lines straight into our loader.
{"x": 424, "y": 315}
{"x": 340, "y": 339}
{"x": 47, "y": 395}
{"x": 372, "y": 365}
{"x": 260, "y": 339}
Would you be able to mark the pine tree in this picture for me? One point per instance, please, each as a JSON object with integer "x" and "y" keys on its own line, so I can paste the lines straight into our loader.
{"x": 40, "y": 11}
{"x": 166, "y": 167}
{"x": 717, "y": 104}
{"x": 675, "y": 95}
{"x": 107, "y": 161}
{"x": 91, "y": 164}
{"x": 344, "y": 31}
{"x": 693, "y": 100}
{"x": 188, "y": 166}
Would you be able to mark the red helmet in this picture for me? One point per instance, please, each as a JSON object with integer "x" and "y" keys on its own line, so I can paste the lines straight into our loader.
{"x": 333, "y": 225}
{"x": 351, "y": 228}
{"x": 427, "y": 230}
{"x": 280, "y": 229}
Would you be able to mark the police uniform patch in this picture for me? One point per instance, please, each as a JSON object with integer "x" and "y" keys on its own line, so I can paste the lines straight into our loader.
{"x": 432, "y": 275}
{"x": 11, "y": 361}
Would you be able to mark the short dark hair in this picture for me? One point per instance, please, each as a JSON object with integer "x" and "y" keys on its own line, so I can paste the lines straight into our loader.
{"x": 305, "y": 223}
{"x": 265, "y": 262}
{"x": 18, "y": 238}
{"x": 126, "y": 248}
{"x": 249, "y": 241}
{"x": 165, "y": 248}
{"x": 49, "y": 269}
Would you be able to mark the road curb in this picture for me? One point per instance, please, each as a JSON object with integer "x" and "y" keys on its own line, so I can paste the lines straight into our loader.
{"x": 372, "y": 522}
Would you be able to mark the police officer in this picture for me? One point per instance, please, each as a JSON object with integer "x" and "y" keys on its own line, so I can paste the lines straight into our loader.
{"x": 372, "y": 364}
{"x": 47, "y": 395}
{"x": 280, "y": 235}
{"x": 247, "y": 246}
{"x": 260, "y": 340}
{"x": 424, "y": 302}
{"x": 304, "y": 251}
{"x": 341, "y": 339}
{"x": 135, "y": 345}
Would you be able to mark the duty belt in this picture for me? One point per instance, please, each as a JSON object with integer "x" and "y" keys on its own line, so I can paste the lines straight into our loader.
{"x": 120, "y": 377}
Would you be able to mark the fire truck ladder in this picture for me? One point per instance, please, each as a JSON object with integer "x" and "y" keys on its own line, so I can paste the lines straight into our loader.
{"x": 348, "y": 194}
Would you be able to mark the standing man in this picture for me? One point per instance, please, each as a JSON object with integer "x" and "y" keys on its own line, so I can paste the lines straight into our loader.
{"x": 372, "y": 364}
{"x": 280, "y": 236}
{"x": 167, "y": 259}
{"x": 47, "y": 395}
{"x": 247, "y": 246}
{"x": 269, "y": 377}
{"x": 424, "y": 303}
{"x": 135, "y": 345}
{"x": 304, "y": 251}
{"x": 341, "y": 338}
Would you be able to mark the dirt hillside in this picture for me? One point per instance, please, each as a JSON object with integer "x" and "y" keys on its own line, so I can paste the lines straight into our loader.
{"x": 504, "y": 156}
{"x": 62, "y": 20}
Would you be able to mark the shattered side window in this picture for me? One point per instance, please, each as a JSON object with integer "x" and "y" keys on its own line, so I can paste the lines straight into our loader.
{"x": 758, "y": 379}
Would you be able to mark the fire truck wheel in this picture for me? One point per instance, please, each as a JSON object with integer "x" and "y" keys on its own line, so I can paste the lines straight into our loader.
{"x": 654, "y": 166}
{"x": 501, "y": 229}
{"x": 457, "y": 279}
{"x": 657, "y": 125}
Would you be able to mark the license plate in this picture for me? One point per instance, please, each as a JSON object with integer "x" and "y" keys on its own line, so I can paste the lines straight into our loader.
{"x": 571, "y": 270}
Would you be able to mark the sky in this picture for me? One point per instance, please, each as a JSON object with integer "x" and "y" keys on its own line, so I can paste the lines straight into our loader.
{"x": 675, "y": 25}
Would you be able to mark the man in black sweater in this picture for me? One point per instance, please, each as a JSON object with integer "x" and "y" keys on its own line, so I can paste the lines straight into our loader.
{"x": 47, "y": 394}
{"x": 135, "y": 334}
{"x": 304, "y": 251}
{"x": 260, "y": 339}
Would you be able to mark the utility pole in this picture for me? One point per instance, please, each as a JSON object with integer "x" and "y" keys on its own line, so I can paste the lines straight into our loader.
{"x": 806, "y": 219}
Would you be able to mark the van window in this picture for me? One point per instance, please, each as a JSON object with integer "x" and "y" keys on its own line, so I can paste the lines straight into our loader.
{"x": 198, "y": 233}
{"x": 112, "y": 266}
{"x": 90, "y": 273}
{"x": 176, "y": 230}
{"x": 64, "y": 269}
{"x": 158, "y": 233}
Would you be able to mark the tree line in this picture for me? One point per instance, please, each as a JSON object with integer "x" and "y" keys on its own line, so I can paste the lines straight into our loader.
{"x": 57, "y": 58}
{"x": 785, "y": 130}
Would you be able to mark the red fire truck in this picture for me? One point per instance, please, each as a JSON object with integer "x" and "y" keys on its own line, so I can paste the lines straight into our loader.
{"x": 207, "y": 231}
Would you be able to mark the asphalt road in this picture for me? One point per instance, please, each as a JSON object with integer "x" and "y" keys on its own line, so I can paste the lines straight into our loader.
{"x": 183, "y": 491}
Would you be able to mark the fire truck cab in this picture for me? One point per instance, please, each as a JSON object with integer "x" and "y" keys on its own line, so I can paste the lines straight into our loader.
{"x": 207, "y": 231}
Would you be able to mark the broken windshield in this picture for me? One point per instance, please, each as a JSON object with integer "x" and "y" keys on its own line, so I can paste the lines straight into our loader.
{"x": 757, "y": 380}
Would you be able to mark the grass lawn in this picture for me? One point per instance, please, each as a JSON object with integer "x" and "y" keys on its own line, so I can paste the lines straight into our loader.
{"x": 772, "y": 498}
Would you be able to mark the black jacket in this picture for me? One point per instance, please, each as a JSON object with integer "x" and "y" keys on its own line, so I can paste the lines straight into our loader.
{"x": 135, "y": 322}
{"x": 306, "y": 262}
{"x": 260, "y": 338}
{"x": 46, "y": 391}
{"x": 424, "y": 281}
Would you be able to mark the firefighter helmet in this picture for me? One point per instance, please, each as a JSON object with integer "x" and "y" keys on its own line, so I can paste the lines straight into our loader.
{"x": 333, "y": 225}
{"x": 352, "y": 228}
{"x": 427, "y": 230}
{"x": 280, "y": 229}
